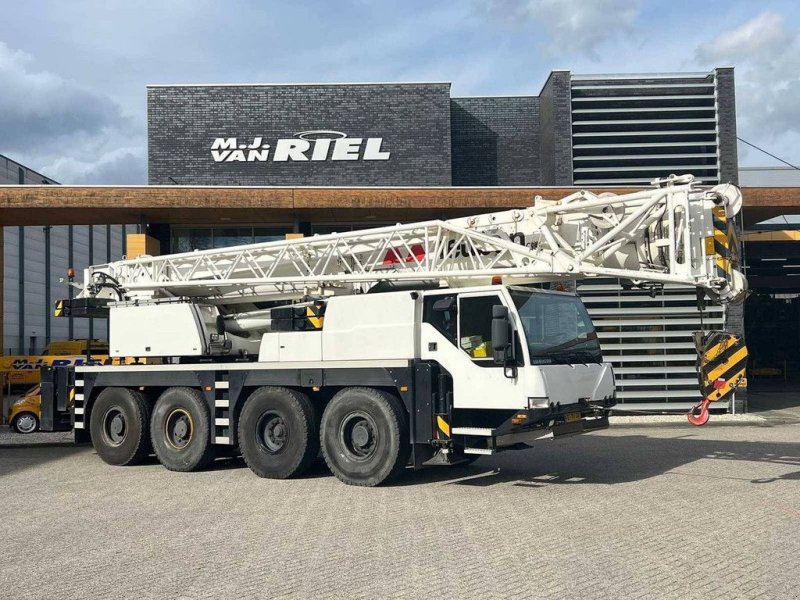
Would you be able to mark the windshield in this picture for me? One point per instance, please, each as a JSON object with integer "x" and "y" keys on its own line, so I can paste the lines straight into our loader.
{"x": 557, "y": 327}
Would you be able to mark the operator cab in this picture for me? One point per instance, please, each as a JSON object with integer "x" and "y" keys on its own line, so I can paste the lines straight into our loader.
{"x": 546, "y": 327}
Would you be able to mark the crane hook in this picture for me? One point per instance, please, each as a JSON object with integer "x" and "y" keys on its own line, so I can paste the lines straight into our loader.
{"x": 698, "y": 415}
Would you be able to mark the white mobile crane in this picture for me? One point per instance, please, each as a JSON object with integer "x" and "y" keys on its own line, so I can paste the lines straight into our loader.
{"x": 415, "y": 344}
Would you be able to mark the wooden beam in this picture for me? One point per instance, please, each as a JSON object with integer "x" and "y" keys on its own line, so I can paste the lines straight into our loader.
{"x": 82, "y": 205}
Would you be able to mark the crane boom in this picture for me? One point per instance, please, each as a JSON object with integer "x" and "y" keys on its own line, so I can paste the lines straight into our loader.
{"x": 675, "y": 232}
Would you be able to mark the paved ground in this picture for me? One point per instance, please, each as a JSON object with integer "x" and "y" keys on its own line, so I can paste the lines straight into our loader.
{"x": 632, "y": 512}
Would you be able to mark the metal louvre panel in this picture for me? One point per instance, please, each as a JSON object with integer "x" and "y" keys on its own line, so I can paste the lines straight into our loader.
{"x": 648, "y": 339}
{"x": 674, "y": 115}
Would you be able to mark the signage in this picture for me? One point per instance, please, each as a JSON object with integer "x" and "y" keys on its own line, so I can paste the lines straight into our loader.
{"x": 316, "y": 145}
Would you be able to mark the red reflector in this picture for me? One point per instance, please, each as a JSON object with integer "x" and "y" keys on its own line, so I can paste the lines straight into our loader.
{"x": 719, "y": 384}
{"x": 391, "y": 257}
{"x": 497, "y": 280}
{"x": 418, "y": 252}
{"x": 394, "y": 255}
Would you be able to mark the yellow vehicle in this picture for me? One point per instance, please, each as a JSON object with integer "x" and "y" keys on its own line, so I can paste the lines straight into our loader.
{"x": 25, "y": 415}
{"x": 24, "y": 370}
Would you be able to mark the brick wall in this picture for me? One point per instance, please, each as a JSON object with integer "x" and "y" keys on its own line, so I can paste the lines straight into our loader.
{"x": 726, "y": 119}
{"x": 495, "y": 141}
{"x": 412, "y": 119}
{"x": 556, "y": 130}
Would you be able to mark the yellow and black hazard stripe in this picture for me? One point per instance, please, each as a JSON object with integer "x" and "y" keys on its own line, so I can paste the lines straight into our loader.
{"x": 443, "y": 428}
{"x": 721, "y": 364}
{"x": 721, "y": 246}
{"x": 59, "y": 311}
{"x": 724, "y": 244}
{"x": 316, "y": 314}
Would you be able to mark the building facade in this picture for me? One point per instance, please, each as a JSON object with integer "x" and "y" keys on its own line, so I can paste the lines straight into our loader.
{"x": 580, "y": 130}
{"x": 35, "y": 259}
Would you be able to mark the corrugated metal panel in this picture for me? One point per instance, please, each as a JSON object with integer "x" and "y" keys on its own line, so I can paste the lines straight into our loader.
{"x": 648, "y": 339}
{"x": 36, "y": 312}
{"x": 676, "y": 117}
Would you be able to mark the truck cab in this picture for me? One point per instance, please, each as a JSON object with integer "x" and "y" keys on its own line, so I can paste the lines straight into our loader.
{"x": 508, "y": 364}
{"x": 522, "y": 363}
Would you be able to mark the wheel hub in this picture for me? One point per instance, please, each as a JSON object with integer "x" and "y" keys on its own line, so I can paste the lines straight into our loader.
{"x": 361, "y": 435}
{"x": 273, "y": 432}
{"x": 358, "y": 436}
{"x": 179, "y": 428}
{"x": 26, "y": 423}
{"x": 115, "y": 426}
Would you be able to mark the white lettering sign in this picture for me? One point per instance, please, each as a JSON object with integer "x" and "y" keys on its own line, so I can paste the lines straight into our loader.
{"x": 316, "y": 145}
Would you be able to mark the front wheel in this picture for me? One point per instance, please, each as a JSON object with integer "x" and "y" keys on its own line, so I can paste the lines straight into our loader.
{"x": 364, "y": 436}
{"x": 26, "y": 422}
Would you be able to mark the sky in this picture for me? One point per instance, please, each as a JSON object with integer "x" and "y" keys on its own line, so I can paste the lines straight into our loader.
{"x": 73, "y": 75}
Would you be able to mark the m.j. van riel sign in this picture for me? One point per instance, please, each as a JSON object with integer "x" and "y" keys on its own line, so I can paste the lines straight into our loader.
{"x": 317, "y": 145}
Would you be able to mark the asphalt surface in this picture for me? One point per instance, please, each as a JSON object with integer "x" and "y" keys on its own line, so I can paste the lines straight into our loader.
{"x": 631, "y": 512}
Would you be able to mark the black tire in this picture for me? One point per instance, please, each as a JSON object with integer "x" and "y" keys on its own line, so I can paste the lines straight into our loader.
{"x": 119, "y": 424}
{"x": 364, "y": 436}
{"x": 181, "y": 430}
{"x": 26, "y": 422}
{"x": 278, "y": 434}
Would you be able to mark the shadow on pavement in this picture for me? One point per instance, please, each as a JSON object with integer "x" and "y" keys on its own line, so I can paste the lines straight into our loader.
{"x": 580, "y": 460}
{"x": 775, "y": 400}
{"x": 610, "y": 460}
{"x": 18, "y": 457}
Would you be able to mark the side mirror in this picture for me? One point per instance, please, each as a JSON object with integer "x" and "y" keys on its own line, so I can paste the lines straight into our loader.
{"x": 500, "y": 334}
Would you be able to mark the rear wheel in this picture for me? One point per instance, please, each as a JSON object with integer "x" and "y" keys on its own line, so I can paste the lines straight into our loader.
{"x": 118, "y": 425}
{"x": 181, "y": 430}
{"x": 277, "y": 432}
{"x": 365, "y": 436}
{"x": 26, "y": 422}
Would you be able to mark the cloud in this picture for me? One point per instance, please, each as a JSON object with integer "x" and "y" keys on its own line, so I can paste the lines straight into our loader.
{"x": 58, "y": 127}
{"x": 572, "y": 26}
{"x": 766, "y": 54}
{"x": 763, "y": 36}
{"x": 122, "y": 166}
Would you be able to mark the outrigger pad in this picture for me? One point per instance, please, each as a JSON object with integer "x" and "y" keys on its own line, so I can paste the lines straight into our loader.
{"x": 721, "y": 362}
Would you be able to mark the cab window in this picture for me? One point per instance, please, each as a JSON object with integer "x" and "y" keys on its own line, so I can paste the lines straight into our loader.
{"x": 475, "y": 320}
{"x": 440, "y": 311}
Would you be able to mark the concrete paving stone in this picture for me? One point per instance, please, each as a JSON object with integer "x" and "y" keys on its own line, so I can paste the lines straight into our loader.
{"x": 638, "y": 511}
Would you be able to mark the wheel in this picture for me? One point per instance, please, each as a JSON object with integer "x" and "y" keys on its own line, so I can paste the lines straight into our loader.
{"x": 365, "y": 436}
{"x": 26, "y": 422}
{"x": 278, "y": 433}
{"x": 118, "y": 425}
{"x": 181, "y": 430}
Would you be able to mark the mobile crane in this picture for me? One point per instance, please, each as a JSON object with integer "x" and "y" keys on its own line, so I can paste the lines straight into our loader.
{"x": 417, "y": 344}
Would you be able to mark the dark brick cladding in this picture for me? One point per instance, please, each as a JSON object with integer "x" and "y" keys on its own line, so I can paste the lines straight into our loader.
{"x": 555, "y": 106}
{"x": 495, "y": 141}
{"x": 412, "y": 119}
{"x": 726, "y": 115}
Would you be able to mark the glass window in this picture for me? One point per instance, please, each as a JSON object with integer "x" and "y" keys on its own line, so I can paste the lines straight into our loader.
{"x": 475, "y": 317}
{"x": 232, "y": 236}
{"x": 270, "y": 234}
{"x": 195, "y": 238}
{"x": 557, "y": 327}
{"x": 443, "y": 320}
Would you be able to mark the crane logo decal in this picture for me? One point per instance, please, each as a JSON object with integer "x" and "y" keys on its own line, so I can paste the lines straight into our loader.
{"x": 314, "y": 145}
